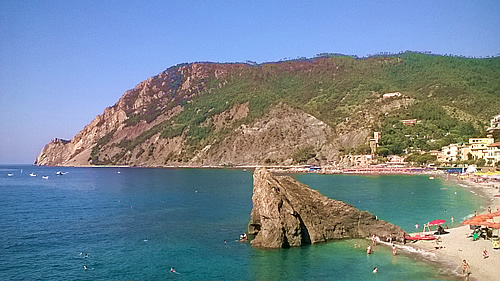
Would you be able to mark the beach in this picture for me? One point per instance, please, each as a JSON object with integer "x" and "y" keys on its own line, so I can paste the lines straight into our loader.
{"x": 456, "y": 246}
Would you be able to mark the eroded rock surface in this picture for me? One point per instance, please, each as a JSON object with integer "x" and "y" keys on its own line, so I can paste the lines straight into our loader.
{"x": 287, "y": 213}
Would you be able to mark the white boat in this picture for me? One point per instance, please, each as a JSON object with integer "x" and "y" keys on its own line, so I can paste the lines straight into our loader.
{"x": 45, "y": 177}
{"x": 32, "y": 175}
{"x": 10, "y": 174}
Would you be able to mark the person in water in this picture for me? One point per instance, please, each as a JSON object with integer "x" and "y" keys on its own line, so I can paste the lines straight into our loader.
{"x": 375, "y": 270}
{"x": 243, "y": 236}
{"x": 394, "y": 250}
{"x": 172, "y": 270}
{"x": 369, "y": 249}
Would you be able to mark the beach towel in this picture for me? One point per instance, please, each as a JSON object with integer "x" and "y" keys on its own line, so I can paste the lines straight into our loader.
{"x": 476, "y": 236}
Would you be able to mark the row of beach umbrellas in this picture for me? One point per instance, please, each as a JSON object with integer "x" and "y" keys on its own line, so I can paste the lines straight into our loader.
{"x": 482, "y": 220}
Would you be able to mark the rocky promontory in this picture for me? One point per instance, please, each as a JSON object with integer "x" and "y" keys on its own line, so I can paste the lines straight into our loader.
{"x": 287, "y": 213}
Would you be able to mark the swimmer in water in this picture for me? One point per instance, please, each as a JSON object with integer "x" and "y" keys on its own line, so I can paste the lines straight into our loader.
{"x": 394, "y": 251}
{"x": 86, "y": 256}
{"x": 369, "y": 249}
{"x": 375, "y": 270}
{"x": 172, "y": 270}
{"x": 84, "y": 267}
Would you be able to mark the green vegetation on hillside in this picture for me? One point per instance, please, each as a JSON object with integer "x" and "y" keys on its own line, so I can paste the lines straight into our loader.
{"x": 433, "y": 130}
{"x": 455, "y": 97}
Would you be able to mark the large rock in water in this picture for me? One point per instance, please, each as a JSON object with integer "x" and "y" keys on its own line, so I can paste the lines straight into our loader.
{"x": 287, "y": 213}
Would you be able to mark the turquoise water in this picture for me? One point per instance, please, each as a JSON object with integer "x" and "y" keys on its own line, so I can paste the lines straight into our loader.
{"x": 138, "y": 223}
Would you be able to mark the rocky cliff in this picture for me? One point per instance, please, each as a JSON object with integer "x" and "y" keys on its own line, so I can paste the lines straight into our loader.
{"x": 287, "y": 213}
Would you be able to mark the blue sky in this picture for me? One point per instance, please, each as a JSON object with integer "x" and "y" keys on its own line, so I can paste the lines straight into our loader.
{"x": 63, "y": 62}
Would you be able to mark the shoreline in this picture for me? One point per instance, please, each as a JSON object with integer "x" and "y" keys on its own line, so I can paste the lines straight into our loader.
{"x": 456, "y": 246}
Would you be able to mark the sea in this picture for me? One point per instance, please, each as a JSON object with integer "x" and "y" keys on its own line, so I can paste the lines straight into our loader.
{"x": 139, "y": 223}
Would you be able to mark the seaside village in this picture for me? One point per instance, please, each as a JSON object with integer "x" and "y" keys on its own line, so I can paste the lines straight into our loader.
{"x": 453, "y": 158}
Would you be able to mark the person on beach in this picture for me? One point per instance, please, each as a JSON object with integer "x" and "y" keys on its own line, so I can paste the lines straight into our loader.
{"x": 489, "y": 210}
{"x": 485, "y": 253}
{"x": 465, "y": 268}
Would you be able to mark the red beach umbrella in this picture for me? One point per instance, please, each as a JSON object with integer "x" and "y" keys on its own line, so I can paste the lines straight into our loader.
{"x": 437, "y": 222}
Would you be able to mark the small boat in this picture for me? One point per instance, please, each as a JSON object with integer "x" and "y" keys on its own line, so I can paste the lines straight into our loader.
{"x": 32, "y": 175}
{"x": 45, "y": 177}
{"x": 59, "y": 173}
{"x": 10, "y": 174}
{"x": 419, "y": 237}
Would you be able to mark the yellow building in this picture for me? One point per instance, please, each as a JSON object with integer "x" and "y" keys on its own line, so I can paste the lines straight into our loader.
{"x": 478, "y": 147}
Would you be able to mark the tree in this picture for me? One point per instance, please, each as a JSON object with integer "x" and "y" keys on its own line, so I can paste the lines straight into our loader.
{"x": 481, "y": 162}
{"x": 302, "y": 155}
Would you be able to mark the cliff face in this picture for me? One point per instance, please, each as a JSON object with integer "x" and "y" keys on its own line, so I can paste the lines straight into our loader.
{"x": 287, "y": 213}
{"x": 152, "y": 124}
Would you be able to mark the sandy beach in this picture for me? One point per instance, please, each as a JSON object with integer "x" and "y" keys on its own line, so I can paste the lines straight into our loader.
{"x": 457, "y": 246}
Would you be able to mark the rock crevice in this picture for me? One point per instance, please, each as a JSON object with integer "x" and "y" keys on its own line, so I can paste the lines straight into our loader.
{"x": 287, "y": 213}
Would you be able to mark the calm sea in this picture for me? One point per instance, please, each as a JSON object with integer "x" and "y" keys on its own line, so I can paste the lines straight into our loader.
{"x": 135, "y": 223}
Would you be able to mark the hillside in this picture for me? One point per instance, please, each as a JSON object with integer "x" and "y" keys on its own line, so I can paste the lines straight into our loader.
{"x": 308, "y": 110}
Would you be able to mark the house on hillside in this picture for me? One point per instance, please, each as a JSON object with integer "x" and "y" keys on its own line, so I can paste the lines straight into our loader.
{"x": 409, "y": 122}
{"x": 391, "y": 95}
{"x": 494, "y": 124}
{"x": 374, "y": 142}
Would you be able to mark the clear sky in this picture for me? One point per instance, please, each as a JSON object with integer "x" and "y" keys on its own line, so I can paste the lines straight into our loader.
{"x": 63, "y": 62}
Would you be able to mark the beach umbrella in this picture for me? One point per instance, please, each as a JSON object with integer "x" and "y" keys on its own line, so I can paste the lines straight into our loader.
{"x": 473, "y": 221}
{"x": 484, "y": 216}
{"x": 495, "y": 225}
{"x": 437, "y": 222}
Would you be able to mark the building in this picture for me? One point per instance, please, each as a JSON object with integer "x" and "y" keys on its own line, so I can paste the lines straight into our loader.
{"x": 466, "y": 153}
{"x": 391, "y": 95}
{"x": 361, "y": 160}
{"x": 493, "y": 153}
{"x": 450, "y": 153}
{"x": 478, "y": 147}
{"x": 409, "y": 122}
{"x": 494, "y": 124}
{"x": 374, "y": 142}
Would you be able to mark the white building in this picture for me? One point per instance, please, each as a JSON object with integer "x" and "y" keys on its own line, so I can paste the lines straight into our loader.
{"x": 493, "y": 153}
{"x": 391, "y": 95}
